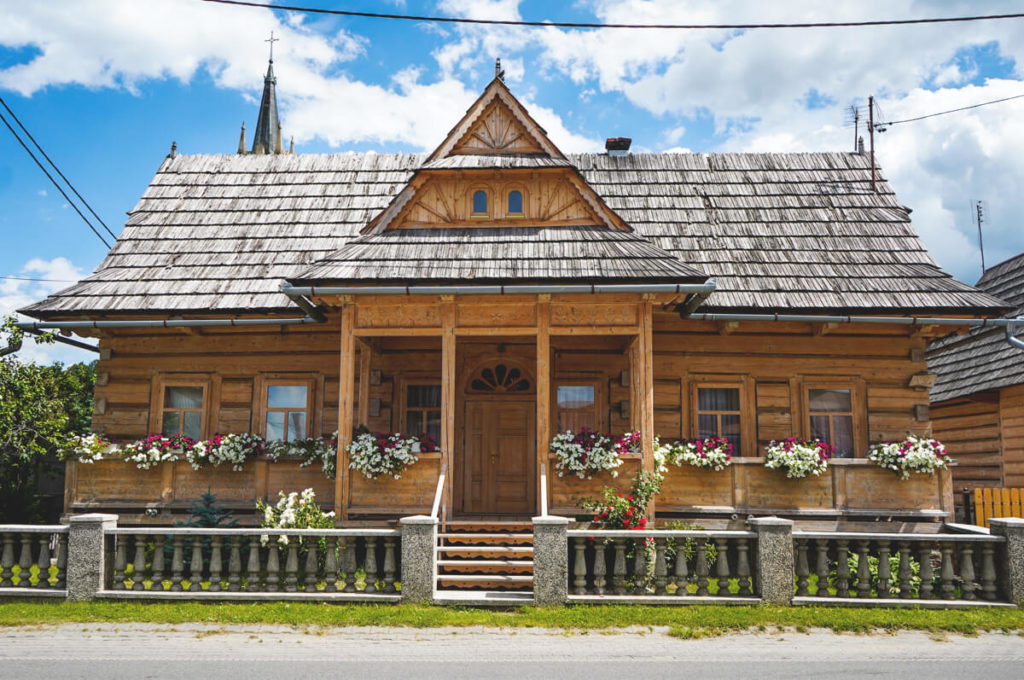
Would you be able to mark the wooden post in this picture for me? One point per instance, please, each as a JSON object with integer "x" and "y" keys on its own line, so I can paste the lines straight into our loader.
{"x": 364, "y": 381}
{"x": 448, "y": 396}
{"x": 346, "y": 406}
{"x": 543, "y": 385}
{"x": 645, "y": 382}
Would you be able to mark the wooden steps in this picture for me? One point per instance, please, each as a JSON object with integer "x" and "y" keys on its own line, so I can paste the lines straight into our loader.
{"x": 494, "y": 556}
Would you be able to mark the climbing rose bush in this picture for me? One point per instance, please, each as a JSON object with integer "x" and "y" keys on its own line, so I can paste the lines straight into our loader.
{"x": 617, "y": 510}
{"x": 378, "y": 453}
{"x": 712, "y": 453}
{"x": 586, "y": 453}
{"x": 913, "y": 454}
{"x": 799, "y": 458}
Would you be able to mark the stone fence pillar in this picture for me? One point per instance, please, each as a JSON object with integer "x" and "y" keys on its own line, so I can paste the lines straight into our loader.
{"x": 550, "y": 561}
{"x": 419, "y": 558}
{"x": 1010, "y": 572}
{"x": 774, "y": 566}
{"x": 89, "y": 559}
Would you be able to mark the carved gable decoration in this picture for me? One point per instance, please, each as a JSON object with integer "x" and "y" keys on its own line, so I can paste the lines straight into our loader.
{"x": 496, "y": 123}
{"x": 553, "y": 198}
{"x": 497, "y": 130}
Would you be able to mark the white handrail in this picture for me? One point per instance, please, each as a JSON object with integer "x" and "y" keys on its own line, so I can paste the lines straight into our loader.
{"x": 543, "y": 490}
{"x": 440, "y": 488}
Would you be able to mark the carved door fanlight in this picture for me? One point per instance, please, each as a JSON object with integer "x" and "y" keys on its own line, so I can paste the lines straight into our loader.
{"x": 501, "y": 378}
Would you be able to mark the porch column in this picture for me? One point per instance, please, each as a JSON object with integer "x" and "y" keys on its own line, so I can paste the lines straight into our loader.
{"x": 346, "y": 408}
{"x": 447, "y": 397}
{"x": 543, "y": 386}
{"x": 365, "y": 355}
{"x": 641, "y": 372}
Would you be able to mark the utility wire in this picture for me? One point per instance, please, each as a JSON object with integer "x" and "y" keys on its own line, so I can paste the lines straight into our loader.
{"x": 29, "y": 278}
{"x": 882, "y": 126}
{"x": 53, "y": 181}
{"x": 571, "y": 24}
{"x": 54, "y": 166}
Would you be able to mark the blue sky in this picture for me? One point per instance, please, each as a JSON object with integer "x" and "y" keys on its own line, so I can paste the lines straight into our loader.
{"x": 107, "y": 85}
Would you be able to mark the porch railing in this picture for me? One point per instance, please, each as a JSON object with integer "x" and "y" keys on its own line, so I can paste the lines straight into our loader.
{"x": 661, "y": 563}
{"x": 543, "y": 490}
{"x": 312, "y": 563}
{"x": 439, "y": 491}
{"x": 945, "y": 566}
{"x": 33, "y": 557}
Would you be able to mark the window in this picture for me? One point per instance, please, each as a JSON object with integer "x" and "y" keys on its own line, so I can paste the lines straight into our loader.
{"x": 723, "y": 406}
{"x": 480, "y": 203}
{"x": 423, "y": 410}
{"x": 182, "y": 410}
{"x": 830, "y": 413}
{"x": 515, "y": 204}
{"x": 719, "y": 414}
{"x": 577, "y": 407}
{"x": 287, "y": 414}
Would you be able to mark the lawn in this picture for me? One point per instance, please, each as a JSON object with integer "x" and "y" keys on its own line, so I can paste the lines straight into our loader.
{"x": 689, "y": 621}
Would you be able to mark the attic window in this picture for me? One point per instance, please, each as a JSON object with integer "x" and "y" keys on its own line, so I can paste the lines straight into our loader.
{"x": 515, "y": 204}
{"x": 480, "y": 203}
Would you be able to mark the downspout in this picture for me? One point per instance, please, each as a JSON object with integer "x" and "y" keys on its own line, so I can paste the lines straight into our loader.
{"x": 68, "y": 341}
{"x": 1010, "y": 337}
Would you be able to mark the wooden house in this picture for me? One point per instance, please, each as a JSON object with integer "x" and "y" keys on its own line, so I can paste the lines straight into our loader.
{"x": 497, "y": 291}
{"x": 977, "y": 404}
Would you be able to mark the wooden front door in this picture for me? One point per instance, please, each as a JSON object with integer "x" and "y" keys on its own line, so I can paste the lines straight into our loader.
{"x": 499, "y": 452}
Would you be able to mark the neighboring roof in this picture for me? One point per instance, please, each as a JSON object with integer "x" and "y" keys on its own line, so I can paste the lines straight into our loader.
{"x": 502, "y": 254}
{"x": 778, "y": 231}
{"x": 982, "y": 359}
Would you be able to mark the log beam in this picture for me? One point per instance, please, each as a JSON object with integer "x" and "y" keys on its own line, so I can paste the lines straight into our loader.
{"x": 448, "y": 345}
{"x": 543, "y": 386}
{"x": 346, "y": 406}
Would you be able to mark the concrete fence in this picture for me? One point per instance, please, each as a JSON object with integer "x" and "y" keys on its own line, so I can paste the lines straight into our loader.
{"x": 93, "y": 558}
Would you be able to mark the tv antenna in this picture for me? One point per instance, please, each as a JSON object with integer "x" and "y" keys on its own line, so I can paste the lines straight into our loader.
{"x": 979, "y": 216}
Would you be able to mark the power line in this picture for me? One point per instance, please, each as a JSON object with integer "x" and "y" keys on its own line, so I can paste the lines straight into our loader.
{"x": 882, "y": 126}
{"x": 53, "y": 181}
{"x": 54, "y": 166}
{"x": 29, "y": 278}
{"x": 572, "y": 24}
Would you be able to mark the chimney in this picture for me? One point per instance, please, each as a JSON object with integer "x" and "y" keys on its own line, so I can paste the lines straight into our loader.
{"x": 860, "y": 145}
{"x": 617, "y": 146}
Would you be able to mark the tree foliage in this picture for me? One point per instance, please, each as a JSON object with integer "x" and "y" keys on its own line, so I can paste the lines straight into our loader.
{"x": 39, "y": 407}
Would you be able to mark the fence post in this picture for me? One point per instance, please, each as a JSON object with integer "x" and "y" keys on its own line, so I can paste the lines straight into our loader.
{"x": 774, "y": 559}
{"x": 419, "y": 558}
{"x": 89, "y": 558}
{"x": 1011, "y": 570}
{"x": 550, "y": 561}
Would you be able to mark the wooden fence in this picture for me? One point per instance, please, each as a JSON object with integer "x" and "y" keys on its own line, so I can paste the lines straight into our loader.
{"x": 997, "y": 502}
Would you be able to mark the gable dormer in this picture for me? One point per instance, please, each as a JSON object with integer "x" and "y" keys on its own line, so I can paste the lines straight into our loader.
{"x": 496, "y": 168}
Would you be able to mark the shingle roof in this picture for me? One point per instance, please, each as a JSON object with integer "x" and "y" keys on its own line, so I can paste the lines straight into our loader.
{"x": 779, "y": 231}
{"x": 494, "y": 255}
{"x": 982, "y": 359}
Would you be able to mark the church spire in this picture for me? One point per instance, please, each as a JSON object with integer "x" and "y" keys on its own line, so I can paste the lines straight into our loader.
{"x": 266, "y": 137}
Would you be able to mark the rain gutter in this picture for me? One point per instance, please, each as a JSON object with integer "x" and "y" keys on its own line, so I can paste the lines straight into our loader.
{"x": 1009, "y": 325}
{"x": 515, "y": 289}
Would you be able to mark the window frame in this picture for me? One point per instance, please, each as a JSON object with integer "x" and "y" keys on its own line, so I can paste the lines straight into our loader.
{"x": 748, "y": 419}
{"x": 522, "y": 196}
{"x": 403, "y": 399}
{"x": 570, "y": 381}
{"x": 314, "y": 404}
{"x": 473, "y": 214}
{"x": 858, "y": 404}
{"x": 165, "y": 380}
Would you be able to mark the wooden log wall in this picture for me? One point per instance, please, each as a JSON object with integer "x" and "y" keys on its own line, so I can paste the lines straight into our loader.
{"x": 969, "y": 427}
{"x": 1011, "y": 416}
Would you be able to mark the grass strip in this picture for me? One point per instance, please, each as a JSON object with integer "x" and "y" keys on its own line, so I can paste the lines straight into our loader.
{"x": 685, "y": 622}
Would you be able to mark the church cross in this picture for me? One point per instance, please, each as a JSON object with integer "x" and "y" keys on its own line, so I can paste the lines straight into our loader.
{"x": 272, "y": 40}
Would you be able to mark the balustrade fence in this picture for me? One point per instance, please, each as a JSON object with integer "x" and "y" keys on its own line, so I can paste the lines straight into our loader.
{"x": 661, "y": 563}
{"x": 94, "y": 558}
{"x": 363, "y": 562}
{"x": 900, "y": 566}
{"x": 34, "y": 557}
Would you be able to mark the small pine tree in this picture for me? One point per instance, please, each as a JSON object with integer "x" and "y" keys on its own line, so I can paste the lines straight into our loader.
{"x": 207, "y": 513}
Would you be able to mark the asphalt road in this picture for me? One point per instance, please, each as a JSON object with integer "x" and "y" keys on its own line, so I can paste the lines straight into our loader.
{"x": 115, "y": 652}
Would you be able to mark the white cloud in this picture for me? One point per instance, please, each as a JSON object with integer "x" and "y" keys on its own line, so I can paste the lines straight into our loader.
{"x": 41, "y": 192}
{"x": 16, "y": 293}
